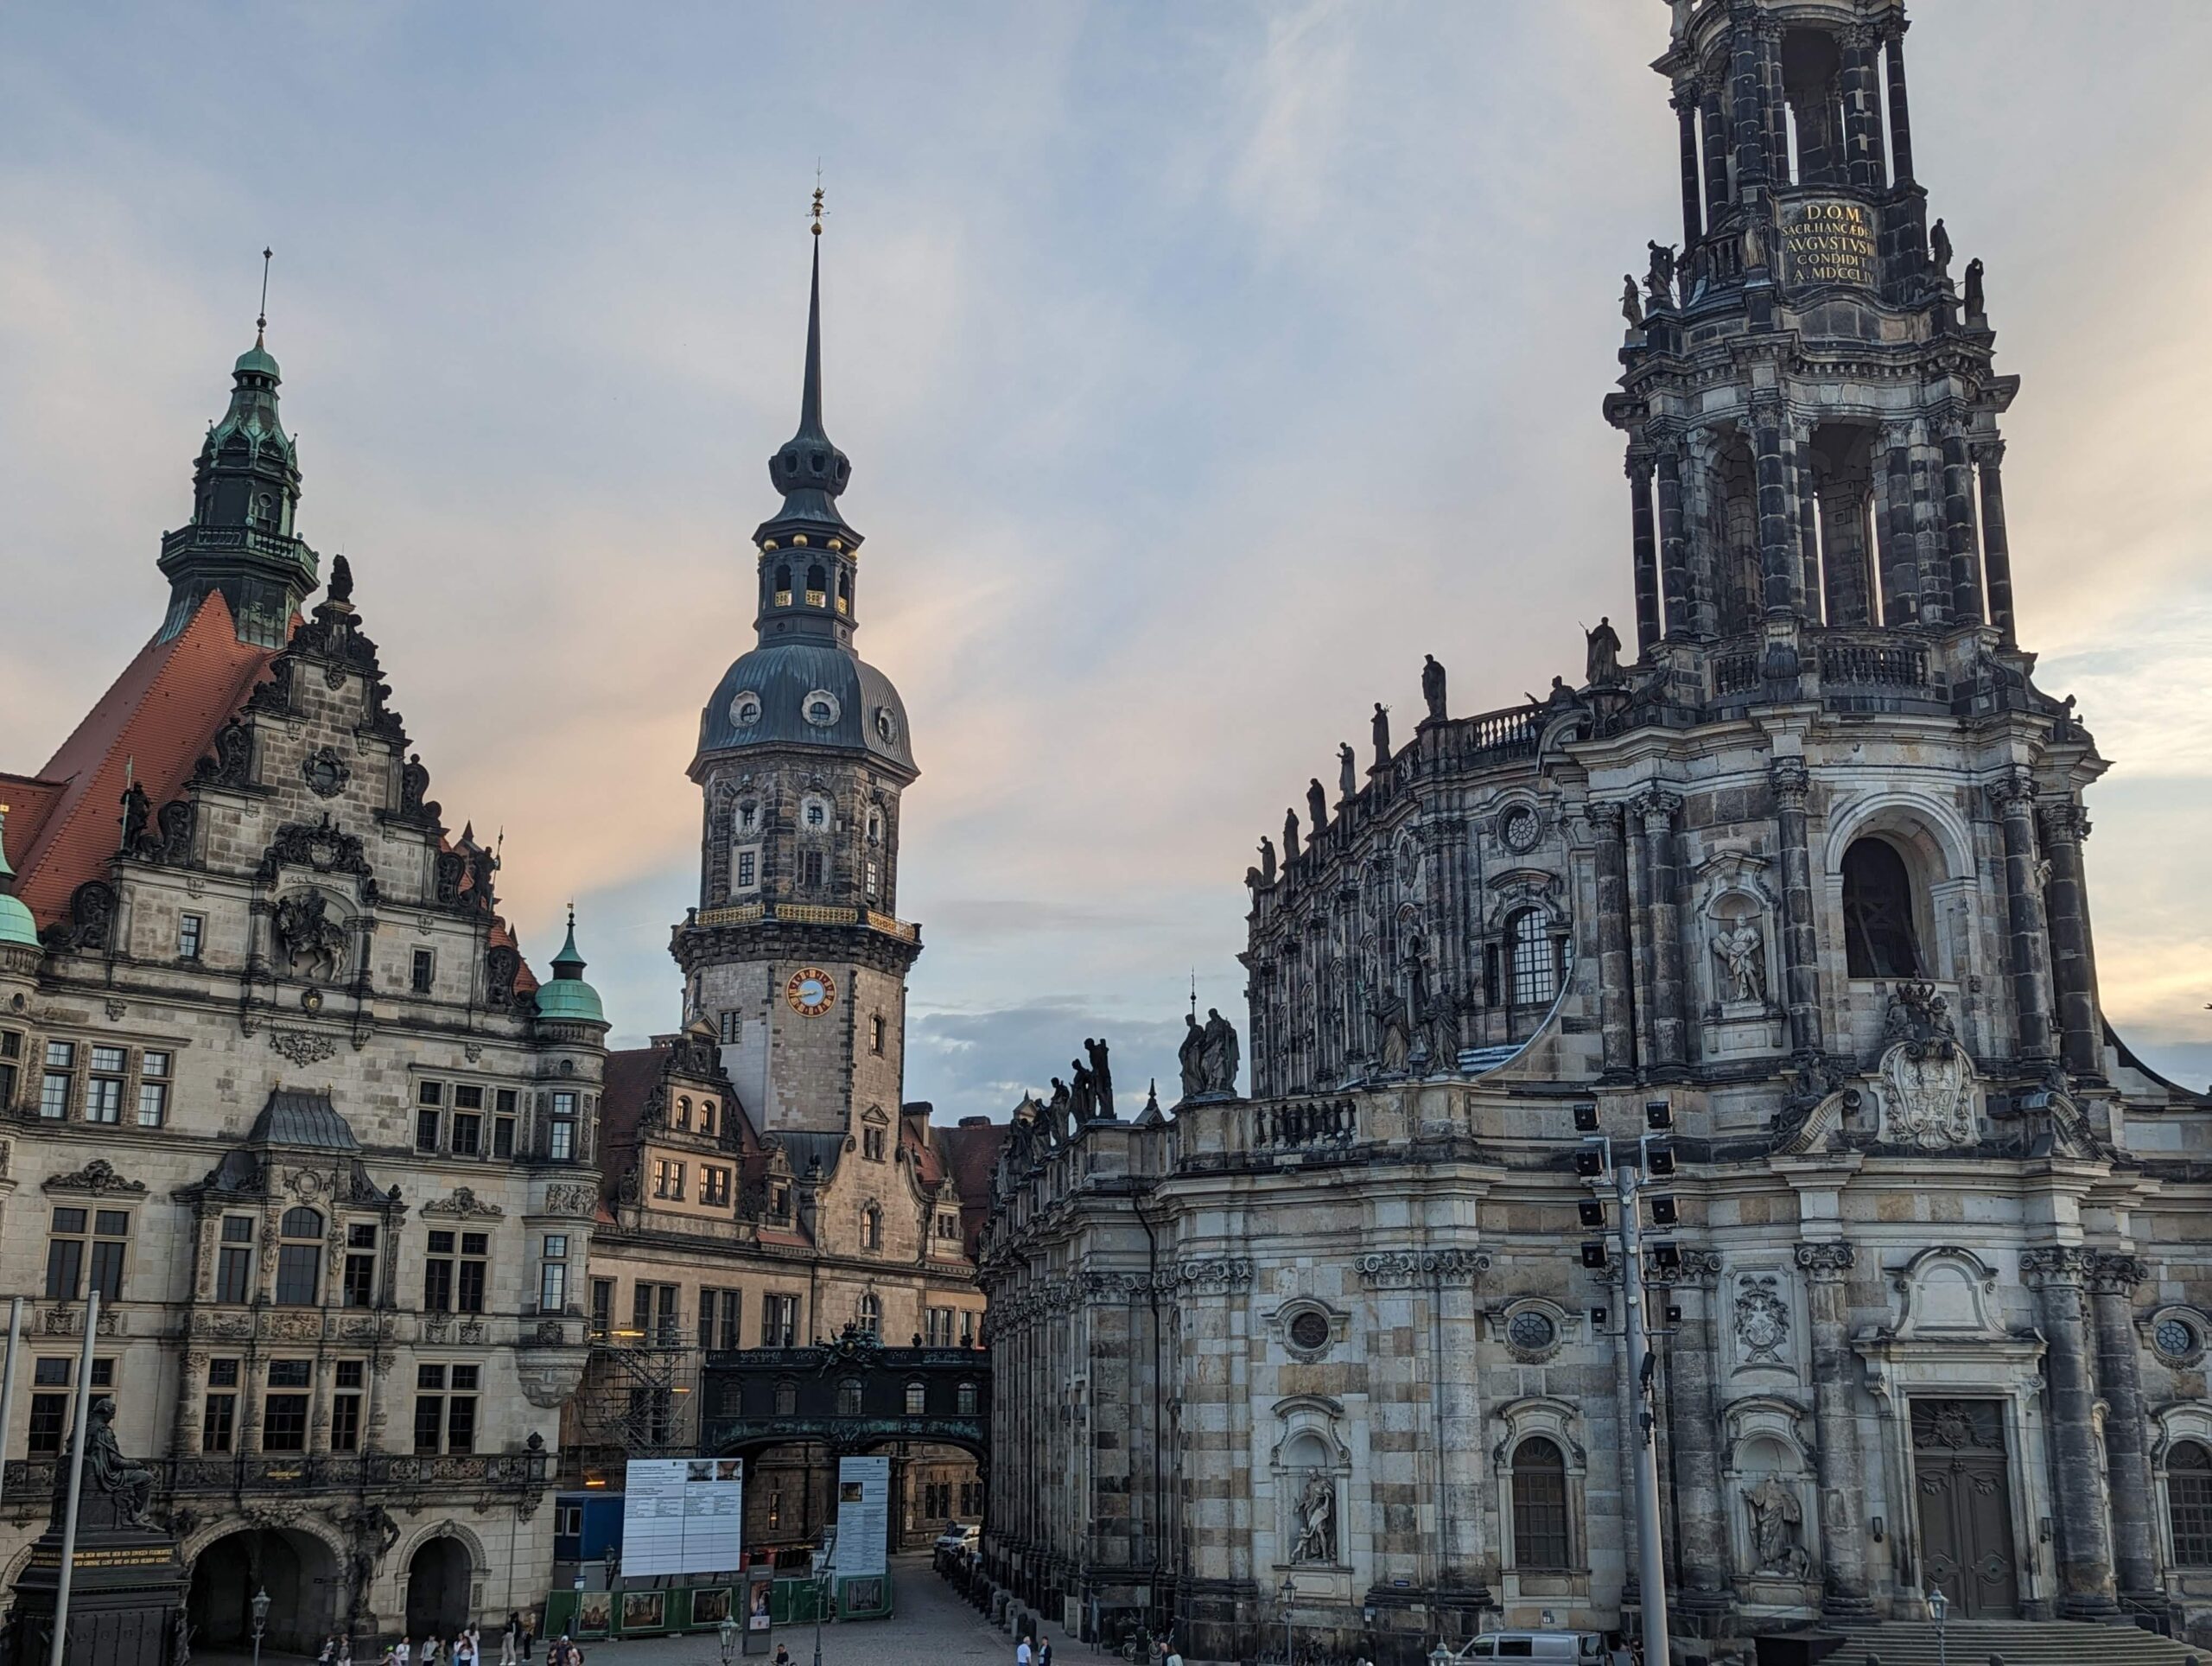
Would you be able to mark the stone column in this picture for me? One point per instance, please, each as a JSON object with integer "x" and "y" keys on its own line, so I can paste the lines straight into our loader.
{"x": 1801, "y": 975}
{"x": 2073, "y": 957}
{"x": 1862, "y": 109}
{"x": 2085, "y": 1578}
{"x": 1639, "y": 916}
{"x": 1900, "y": 112}
{"x": 1779, "y": 565}
{"x": 1806, "y": 500}
{"x": 2025, "y": 941}
{"x": 191, "y": 1387}
{"x": 1996, "y": 552}
{"x": 1931, "y": 567}
{"x": 1694, "y": 1440}
{"x": 1715, "y": 123}
{"x": 1746, "y": 103}
{"x": 1665, "y": 927}
{"x": 1959, "y": 542}
{"x": 1900, "y": 551}
{"x": 1841, "y": 1468}
{"x": 1674, "y": 541}
{"x": 2112, "y": 1279}
{"x": 1464, "y": 1454}
{"x": 1685, "y": 104}
{"x": 1616, "y": 999}
{"x": 1645, "y": 536}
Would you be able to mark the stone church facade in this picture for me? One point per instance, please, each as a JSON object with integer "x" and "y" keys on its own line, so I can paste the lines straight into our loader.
{"x": 278, "y": 1085}
{"x": 1799, "y": 881}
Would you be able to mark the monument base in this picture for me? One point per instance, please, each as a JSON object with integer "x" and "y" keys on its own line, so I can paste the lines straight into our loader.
{"x": 126, "y": 1600}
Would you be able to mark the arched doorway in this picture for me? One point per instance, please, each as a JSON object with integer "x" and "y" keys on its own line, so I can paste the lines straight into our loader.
{"x": 297, "y": 1570}
{"x": 437, "y": 1588}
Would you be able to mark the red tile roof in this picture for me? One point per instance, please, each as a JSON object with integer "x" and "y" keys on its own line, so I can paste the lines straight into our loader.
{"x": 971, "y": 1151}
{"x": 153, "y": 724}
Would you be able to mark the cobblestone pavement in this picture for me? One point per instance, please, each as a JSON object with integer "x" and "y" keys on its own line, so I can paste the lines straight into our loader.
{"x": 931, "y": 1625}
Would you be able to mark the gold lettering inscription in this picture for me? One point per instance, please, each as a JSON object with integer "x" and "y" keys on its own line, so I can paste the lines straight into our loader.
{"x": 1829, "y": 243}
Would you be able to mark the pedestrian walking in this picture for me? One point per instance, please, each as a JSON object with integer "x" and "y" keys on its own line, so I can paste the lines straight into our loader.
{"x": 403, "y": 1652}
{"x": 1023, "y": 1655}
{"x": 327, "y": 1655}
{"x": 510, "y": 1639}
{"x": 346, "y": 1651}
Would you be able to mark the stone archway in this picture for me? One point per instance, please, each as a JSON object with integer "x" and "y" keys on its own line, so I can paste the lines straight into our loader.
{"x": 300, "y": 1573}
{"x": 439, "y": 1575}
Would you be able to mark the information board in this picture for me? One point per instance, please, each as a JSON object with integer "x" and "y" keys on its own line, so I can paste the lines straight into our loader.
{"x": 863, "y": 1516}
{"x": 683, "y": 1515}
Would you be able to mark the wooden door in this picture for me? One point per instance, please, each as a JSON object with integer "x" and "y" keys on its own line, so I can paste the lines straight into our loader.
{"x": 1966, "y": 1506}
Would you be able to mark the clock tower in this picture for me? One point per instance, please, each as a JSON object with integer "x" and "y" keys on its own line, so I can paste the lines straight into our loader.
{"x": 795, "y": 953}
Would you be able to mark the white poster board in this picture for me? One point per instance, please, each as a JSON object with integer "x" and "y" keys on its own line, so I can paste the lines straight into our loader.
{"x": 683, "y": 1515}
{"x": 863, "y": 1516}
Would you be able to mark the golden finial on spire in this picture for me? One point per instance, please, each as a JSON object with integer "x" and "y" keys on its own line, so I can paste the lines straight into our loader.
{"x": 818, "y": 198}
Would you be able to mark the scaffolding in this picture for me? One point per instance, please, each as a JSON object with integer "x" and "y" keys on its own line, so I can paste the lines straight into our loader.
{"x": 638, "y": 1398}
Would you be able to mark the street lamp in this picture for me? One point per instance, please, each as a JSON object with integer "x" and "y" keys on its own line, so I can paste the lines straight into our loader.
{"x": 1938, "y": 1607}
{"x": 260, "y": 1622}
{"x": 821, "y": 1602}
{"x": 1286, "y": 1594}
{"x": 1440, "y": 1656}
{"x": 729, "y": 1630}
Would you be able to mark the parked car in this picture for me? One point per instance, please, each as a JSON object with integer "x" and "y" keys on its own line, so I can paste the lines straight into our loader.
{"x": 956, "y": 1538}
{"x": 1535, "y": 1645}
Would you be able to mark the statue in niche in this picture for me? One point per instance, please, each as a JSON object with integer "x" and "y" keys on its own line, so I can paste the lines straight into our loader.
{"x": 1659, "y": 281}
{"x": 1102, "y": 1075}
{"x": 1267, "y": 862}
{"x": 1631, "y": 303}
{"x": 1741, "y": 947}
{"x": 1347, "y": 772}
{"x": 1939, "y": 249}
{"x": 305, "y": 932}
{"x": 1316, "y": 1520}
{"x": 1754, "y": 245}
{"x": 1432, "y": 687}
{"x": 1290, "y": 836}
{"x": 1974, "y": 303}
{"x": 1602, "y": 657}
{"x": 1317, "y": 806}
{"x": 1380, "y": 725}
{"x": 1778, "y": 1519}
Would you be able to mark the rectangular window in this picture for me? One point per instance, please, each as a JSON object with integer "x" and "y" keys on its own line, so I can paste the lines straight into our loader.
{"x": 64, "y": 1255}
{"x": 429, "y": 1407}
{"x": 602, "y": 1306}
{"x": 560, "y": 1129}
{"x": 219, "y": 1428}
{"x": 442, "y": 1421}
{"x": 748, "y": 870}
{"x": 467, "y": 1095}
{"x": 872, "y": 1144}
{"x": 732, "y": 1025}
{"x": 422, "y": 966}
{"x": 875, "y": 1034}
{"x": 468, "y": 1288}
{"x": 809, "y": 868}
{"x": 437, "y": 1274}
{"x": 153, "y": 1089}
{"x": 426, "y": 1128}
{"x": 80, "y": 1237}
{"x": 346, "y": 1411}
{"x": 190, "y": 930}
{"x": 235, "y": 1260}
{"x": 719, "y": 1313}
{"x": 778, "y": 1321}
{"x": 54, "y": 1087}
{"x": 967, "y": 1327}
{"x": 461, "y": 1410}
{"x": 299, "y": 1272}
{"x": 284, "y": 1415}
{"x": 553, "y": 1274}
{"x": 940, "y": 1328}
{"x": 103, "y": 1090}
{"x": 668, "y": 1324}
{"x": 7, "y": 1084}
{"x": 503, "y": 1123}
{"x": 467, "y": 1133}
{"x": 111, "y": 1236}
{"x": 360, "y": 1283}
{"x": 50, "y": 1412}
{"x": 714, "y": 1186}
{"x": 668, "y": 1179}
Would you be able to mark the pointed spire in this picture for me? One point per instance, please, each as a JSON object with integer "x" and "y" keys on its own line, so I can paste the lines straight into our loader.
{"x": 809, "y": 470}
{"x": 568, "y": 963}
{"x": 809, "y": 398}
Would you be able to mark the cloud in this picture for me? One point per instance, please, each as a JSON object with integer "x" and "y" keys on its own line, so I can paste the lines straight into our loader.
{"x": 988, "y": 1059}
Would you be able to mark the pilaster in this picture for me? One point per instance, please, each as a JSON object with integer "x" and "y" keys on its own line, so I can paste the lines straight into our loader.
{"x": 2058, "y": 1273}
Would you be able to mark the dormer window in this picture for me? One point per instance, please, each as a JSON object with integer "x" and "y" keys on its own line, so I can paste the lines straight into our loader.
{"x": 744, "y": 712}
{"x": 871, "y": 1228}
{"x": 872, "y": 1144}
{"x": 683, "y": 1118}
{"x": 707, "y": 1117}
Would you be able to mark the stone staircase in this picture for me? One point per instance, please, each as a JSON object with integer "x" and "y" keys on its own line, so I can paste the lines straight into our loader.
{"x": 2018, "y": 1643}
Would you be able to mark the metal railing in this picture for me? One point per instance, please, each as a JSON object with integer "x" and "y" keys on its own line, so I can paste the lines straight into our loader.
{"x": 352, "y": 1471}
{"x": 805, "y": 913}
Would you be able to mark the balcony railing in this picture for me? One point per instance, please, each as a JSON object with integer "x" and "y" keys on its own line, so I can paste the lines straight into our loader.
{"x": 1305, "y": 1125}
{"x": 1873, "y": 664}
{"x": 34, "y": 1478}
{"x": 804, "y": 913}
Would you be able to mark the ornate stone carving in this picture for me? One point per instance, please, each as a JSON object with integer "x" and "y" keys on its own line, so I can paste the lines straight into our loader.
{"x": 2058, "y": 1263}
{"x": 1219, "y": 1273}
{"x": 1739, "y": 945}
{"x": 323, "y": 846}
{"x": 306, "y": 934}
{"x": 92, "y": 916}
{"x": 570, "y": 1198}
{"x": 304, "y": 1047}
{"x": 98, "y": 1177}
{"x": 464, "y": 1205}
{"x": 502, "y": 965}
{"x": 1316, "y": 1520}
{"x": 1930, "y": 1097}
{"x": 324, "y": 772}
{"x": 1762, "y": 1319}
{"x": 231, "y": 761}
{"x": 1778, "y": 1524}
{"x": 1389, "y": 1268}
{"x": 1210, "y": 1056}
{"x": 1826, "y": 1262}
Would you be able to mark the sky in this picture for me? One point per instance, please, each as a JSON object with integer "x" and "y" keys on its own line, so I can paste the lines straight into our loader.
{"x": 1202, "y": 367}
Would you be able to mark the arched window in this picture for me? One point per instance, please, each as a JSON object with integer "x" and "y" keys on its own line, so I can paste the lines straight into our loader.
{"x": 844, "y": 591}
{"x": 848, "y": 1397}
{"x": 817, "y": 588}
{"x": 871, "y": 1230}
{"x": 299, "y": 1258}
{"x": 1531, "y": 958}
{"x": 1539, "y": 1505}
{"x": 683, "y": 1115}
{"x": 967, "y": 1400}
{"x": 783, "y": 585}
{"x": 707, "y": 1117}
{"x": 916, "y": 1399}
{"x": 2189, "y": 1503}
{"x": 1879, "y": 937}
{"x": 870, "y": 1316}
{"x": 787, "y": 1398}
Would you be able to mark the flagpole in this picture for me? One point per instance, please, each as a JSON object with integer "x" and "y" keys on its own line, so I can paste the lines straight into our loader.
{"x": 76, "y": 1483}
{"x": 7, "y": 1382}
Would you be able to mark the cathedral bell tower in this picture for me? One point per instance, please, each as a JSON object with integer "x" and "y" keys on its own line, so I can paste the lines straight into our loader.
{"x": 245, "y": 490}
{"x": 795, "y": 953}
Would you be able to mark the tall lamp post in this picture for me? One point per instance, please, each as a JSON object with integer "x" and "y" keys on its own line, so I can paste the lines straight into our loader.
{"x": 1596, "y": 1162}
{"x": 260, "y": 1621}
{"x": 821, "y": 1602}
{"x": 1286, "y": 1594}
{"x": 1938, "y": 1607}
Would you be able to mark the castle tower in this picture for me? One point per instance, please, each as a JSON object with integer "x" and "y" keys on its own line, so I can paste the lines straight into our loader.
{"x": 794, "y": 952}
{"x": 245, "y": 490}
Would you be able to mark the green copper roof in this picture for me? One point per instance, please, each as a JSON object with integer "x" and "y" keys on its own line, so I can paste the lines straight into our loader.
{"x": 16, "y": 925}
{"x": 566, "y": 996}
{"x": 257, "y": 359}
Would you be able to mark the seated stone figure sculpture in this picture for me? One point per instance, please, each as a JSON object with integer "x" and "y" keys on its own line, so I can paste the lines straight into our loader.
{"x": 118, "y": 1490}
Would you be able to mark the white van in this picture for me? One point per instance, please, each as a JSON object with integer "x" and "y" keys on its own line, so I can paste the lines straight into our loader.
{"x": 1535, "y": 1645}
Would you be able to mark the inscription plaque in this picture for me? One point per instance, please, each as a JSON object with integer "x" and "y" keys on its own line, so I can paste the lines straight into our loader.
{"x": 1828, "y": 241}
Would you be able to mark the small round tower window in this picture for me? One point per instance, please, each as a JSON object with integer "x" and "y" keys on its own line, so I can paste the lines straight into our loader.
{"x": 745, "y": 709}
{"x": 1310, "y": 1331}
{"x": 1531, "y": 1331}
{"x": 820, "y": 708}
{"x": 2174, "y": 1339}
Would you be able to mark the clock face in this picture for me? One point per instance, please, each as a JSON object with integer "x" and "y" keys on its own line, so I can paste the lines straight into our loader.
{"x": 811, "y": 992}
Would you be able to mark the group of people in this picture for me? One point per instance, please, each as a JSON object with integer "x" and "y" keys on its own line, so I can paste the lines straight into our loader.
{"x": 464, "y": 1648}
